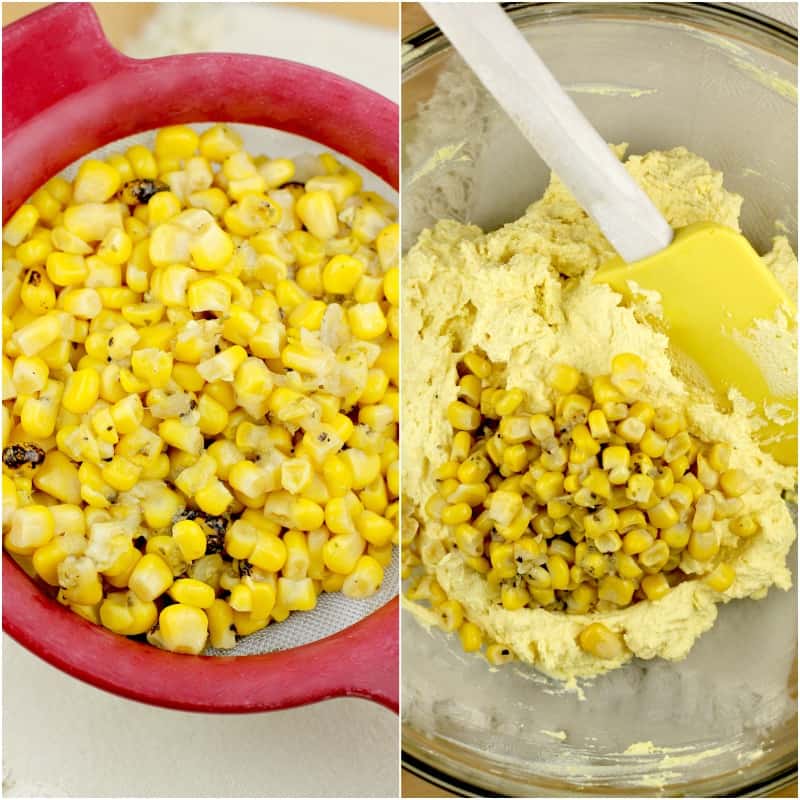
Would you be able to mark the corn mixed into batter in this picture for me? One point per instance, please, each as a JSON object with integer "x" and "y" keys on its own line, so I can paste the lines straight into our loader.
{"x": 200, "y": 387}
{"x": 595, "y": 505}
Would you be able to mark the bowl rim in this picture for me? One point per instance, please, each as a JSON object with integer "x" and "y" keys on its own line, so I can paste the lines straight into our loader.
{"x": 362, "y": 659}
{"x": 429, "y": 41}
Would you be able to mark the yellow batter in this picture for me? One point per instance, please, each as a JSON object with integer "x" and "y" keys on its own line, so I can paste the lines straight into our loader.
{"x": 523, "y": 294}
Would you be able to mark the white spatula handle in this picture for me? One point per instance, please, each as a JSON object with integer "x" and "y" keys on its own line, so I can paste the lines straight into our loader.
{"x": 517, "y": 78}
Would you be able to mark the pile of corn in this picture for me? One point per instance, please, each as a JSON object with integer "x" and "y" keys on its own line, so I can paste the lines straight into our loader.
{"x": 605, "y": 502}
{"x": 200, "y": 375}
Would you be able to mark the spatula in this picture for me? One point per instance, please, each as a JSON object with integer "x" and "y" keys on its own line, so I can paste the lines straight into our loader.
{"x": 713, "y": 285}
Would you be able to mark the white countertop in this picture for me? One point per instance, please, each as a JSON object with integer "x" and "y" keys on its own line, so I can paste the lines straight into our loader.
{"x": 62, "y": 737}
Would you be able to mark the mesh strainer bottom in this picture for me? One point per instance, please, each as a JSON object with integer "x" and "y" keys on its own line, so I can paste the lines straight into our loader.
{"x": 334, "y": 612}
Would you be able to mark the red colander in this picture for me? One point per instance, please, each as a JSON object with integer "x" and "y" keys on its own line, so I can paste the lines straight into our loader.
{"x": 67, "y": 92}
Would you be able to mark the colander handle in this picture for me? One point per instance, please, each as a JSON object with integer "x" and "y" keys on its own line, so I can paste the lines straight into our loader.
{"x": 36, "y": 75}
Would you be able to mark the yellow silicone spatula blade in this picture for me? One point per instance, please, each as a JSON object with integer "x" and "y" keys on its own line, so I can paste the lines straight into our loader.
{"x": 713, "y": 289}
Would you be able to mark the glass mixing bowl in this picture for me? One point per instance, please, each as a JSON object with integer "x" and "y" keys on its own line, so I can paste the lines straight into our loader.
{"x": 719, "y": 80}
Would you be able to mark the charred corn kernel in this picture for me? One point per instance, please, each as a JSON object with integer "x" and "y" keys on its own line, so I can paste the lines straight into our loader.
{"x": 734, "y": 482}
{"x": 37, "y": 292}
{"x": 151, "y": 577}
{"x": 599, "y": 641}
{"x": 745, "y": 525}
{"x": 655, "y": 586}
{"x": 183, "y": 628}
{"x": 721, "y": 578}
{"x": 192, "y": 592}
{"x": 563, "y": 378}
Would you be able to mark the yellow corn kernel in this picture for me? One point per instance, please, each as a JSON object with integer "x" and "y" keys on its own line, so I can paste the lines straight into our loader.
{"x": 616, "y": 590}
{"x": 745, "y": 525}
{"x": 151, "y": 577}
{"x": 182, "y": 629}
{"x": 365, "y": 579}
{"x": 628, "y": 373}
{"x": 95, "y": 182}
{"x": 38, "y": 417}
{"x": 21, "y": 225}
{"x": 214, "y": 498}
{"x": 191, "y": 539}
{"x": 734, "y": 482}
{"x": 192, "y": 592}
{"x": 703, "y": 545}
{"x": 30, "y": 374}
{"x": 81, "y": 391}
{"x": 33, "y": 337}
{"x": 176, "y": 434}
{"x": 721, "y": 578}
{"x": 31, "y": 527}
{"x": 176, "y": 142}
{"x": 221, "y": 634}
{"x": 563, "y": 378}
{"x": 219, "y": 142}
{"x": 655, "y": 586}
{"x": 597, "y": 640}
